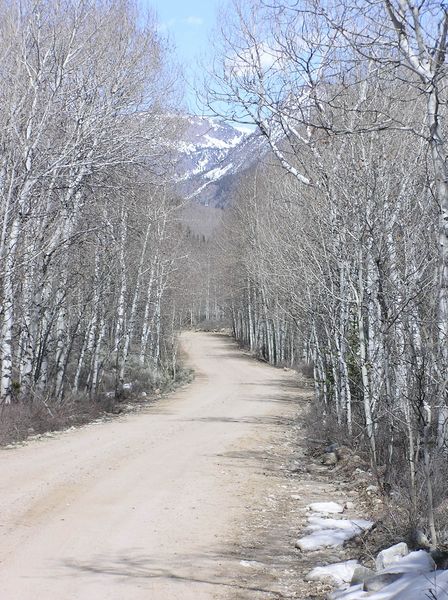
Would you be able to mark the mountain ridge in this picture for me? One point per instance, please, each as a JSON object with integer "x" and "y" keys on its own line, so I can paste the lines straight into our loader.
{"x": 212, "y": 152}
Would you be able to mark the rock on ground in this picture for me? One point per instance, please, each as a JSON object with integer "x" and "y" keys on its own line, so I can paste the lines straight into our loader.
{"x": 361, "y": 574}
{"x": 388, "y": 556}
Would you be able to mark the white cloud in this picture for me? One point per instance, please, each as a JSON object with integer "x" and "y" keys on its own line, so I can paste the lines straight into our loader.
{"x": 194, "y": 21}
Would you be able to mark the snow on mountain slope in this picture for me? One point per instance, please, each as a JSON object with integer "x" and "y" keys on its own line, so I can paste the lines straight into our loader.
{"x": 211, "y": 154}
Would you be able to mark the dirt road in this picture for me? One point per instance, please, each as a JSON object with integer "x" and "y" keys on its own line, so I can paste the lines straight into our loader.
{"x": 145, "y": 506}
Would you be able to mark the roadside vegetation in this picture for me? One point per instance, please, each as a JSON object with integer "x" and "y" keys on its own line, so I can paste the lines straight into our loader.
{"x": 336, "y": 243}
{"x": 90, "y": 241}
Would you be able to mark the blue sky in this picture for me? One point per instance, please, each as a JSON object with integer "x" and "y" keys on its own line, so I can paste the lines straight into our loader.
{"x": 189, "y": 24}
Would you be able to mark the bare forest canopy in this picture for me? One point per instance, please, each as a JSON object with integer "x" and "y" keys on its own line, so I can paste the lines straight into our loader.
{"x": 331, "y": 253}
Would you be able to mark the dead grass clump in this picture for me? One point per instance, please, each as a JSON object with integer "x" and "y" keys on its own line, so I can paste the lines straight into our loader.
{"x": 21, "y": 420}
{"x": 323, "y": 428}
{"x": 306, "y": 369}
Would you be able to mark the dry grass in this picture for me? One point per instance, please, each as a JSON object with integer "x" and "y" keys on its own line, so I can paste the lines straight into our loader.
{"x": 20, "y": 420}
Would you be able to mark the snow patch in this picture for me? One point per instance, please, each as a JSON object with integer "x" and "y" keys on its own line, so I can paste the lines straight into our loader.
{"x": 419, "y": 581}
{"x": 416, "y": 562}
{"x": 245, "y": 129}
{"x": 409, "y": 587}
{"x": 318, "y": 523}
{"x": 217, "y": 173}
{"x": 249, "y": 563}
{"x": 326, "y": 507}
{"x": 200, "y": 167}
{"x": 186, "y": 147}
{"x": 327, "y": 538}
{"x": 337, "y": 573}
{"x": 330, "y": 533}
{"x": 212, "y": 142}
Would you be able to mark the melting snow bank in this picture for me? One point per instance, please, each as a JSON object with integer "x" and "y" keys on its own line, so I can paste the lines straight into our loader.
{"x": 326, "y": 507}
{"x": 399, "y": 575}
{"x": 337, "y": 573}
{"x": 432, "y": 586}
{"x": 411, "y": 577}
{"x": 329, "y": 533}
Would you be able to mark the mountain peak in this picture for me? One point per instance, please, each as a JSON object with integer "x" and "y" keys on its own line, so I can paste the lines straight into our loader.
{"x": 211, "y": 151}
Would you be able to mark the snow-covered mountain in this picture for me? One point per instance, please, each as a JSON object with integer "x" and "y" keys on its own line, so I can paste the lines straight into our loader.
{"x": 212, "y": 153}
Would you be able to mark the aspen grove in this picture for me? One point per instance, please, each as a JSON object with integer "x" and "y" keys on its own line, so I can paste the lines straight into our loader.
{"x": 337, "y": 240}
{"x": 87, "y": 226}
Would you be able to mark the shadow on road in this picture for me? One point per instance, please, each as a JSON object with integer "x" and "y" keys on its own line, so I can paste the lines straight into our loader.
{"x": 211, "y": 568}
{"x": 264, "y": 420}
